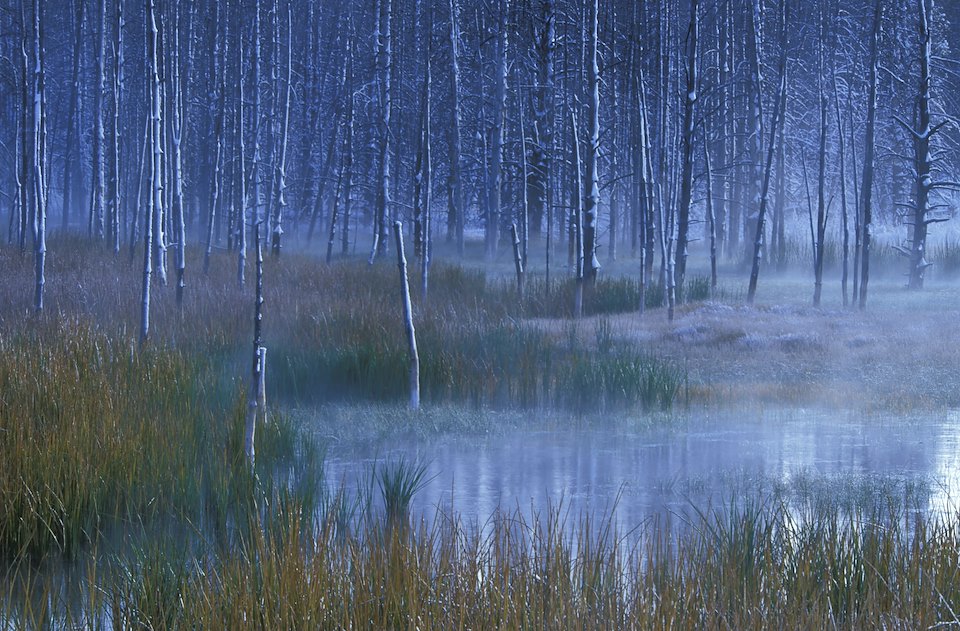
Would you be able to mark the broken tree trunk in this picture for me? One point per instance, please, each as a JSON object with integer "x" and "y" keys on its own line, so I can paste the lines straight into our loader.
{"x": 257, "y": 400}
{"x": 517, "y": 259}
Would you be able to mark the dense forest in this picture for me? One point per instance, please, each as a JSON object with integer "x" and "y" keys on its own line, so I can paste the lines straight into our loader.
{"x": 599, "y": 128}
{"x": 628, "y": 378}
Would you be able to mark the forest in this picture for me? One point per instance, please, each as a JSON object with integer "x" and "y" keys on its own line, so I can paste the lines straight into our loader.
{"x": 580, "y": 314}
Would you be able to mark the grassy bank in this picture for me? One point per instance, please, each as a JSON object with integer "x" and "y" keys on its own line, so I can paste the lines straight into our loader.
{"x": 335, "y": 332}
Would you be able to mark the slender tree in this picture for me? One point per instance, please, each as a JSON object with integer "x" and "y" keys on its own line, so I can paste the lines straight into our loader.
{"x": 866, "y": 194}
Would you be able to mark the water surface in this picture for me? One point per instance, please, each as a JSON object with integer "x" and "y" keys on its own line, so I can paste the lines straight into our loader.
{"x": 699, "y": 464}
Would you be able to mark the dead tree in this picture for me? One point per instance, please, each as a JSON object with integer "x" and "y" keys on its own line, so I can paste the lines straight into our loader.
{"x": 779, "y": 107}
{"x": 517, "y": 259}
{"x": 866, "y": 193}
{"x": 97, "y": 202}
{"x": 408, "y": 318}
{"x": 220, "y": 55}
{"x": 39, "y": 158}
{"x": 455, "y": 204}
{"x": 155, "y": 184}
{"x": 384, "y": 68}
{"x": 281, "y": 178}
{"x": 687, "y": 138}
{"x": 923, "y": 212}
{"x": 577, "y": 240}
{"x": 72, "y": 161}
{"x": 256, "y": 402}
{"x": 592, "y": 198}
{"x": 711, "y": 215}
{"x": 176, "y": 137}
{"x": 495, "y": 177}
{"x": 845, "y": 274}
{"x": 820, "y": 241}
{"x": 118, "y": 64}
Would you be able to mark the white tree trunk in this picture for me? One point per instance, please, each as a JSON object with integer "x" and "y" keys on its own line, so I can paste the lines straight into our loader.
{"x": 408, "y": 318}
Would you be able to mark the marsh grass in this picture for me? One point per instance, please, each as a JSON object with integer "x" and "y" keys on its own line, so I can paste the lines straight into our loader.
{"x": 746, "y": 565}
{"x": 334, "y": 331}
{"x": 99, "y": 434}
{"x": 399, "y": 482}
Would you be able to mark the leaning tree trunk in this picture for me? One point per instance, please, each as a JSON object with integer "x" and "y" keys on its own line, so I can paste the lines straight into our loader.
{"x": 711, "y": 216}
{"x": 281, "y": 202}
{"x": 845, "y": 274}
{"x": 577, "y": 240}
{"x": 408, "y": 318}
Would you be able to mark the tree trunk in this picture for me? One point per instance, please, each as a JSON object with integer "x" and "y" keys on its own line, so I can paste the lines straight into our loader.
{"x": 866, "y": 194}
{"x": 257, "y": 383}
{"x": 39, "y": 158}
{"x": 821, "y": 172}
{"x": 408, "y": 318}
{"x": 517, "y": 259}
{"x": 686, "y": 182}
{"x": 70, "y": 164}
{"x": 592, "y": 198}
{"x": 281, "y": 202}
{"x": 777, "y": 117}
{"x": 455, "y": 207}
{"x": 384, "y": 66}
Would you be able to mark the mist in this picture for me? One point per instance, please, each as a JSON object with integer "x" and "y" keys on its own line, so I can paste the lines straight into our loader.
{"x": 499, "y": 314}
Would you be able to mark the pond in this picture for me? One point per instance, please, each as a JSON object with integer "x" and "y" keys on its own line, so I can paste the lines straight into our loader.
{"x": 699, "y": 464}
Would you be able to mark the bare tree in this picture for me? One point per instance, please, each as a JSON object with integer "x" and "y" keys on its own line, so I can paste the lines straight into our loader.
{"x": 820, "y": 241}
{"x": 779, "y": 107}
{"x": 592, "y": 198}
{"x": 924, "y": 212}
{"x": 866, "y": 194}
{"x": 384, "y": 68}
{"x": 687, "y": 138}
{"x": 456, "y": 210}
{"x": 281, "y": 202}
{"x": 408, "y": 318}
{"x": 39, "y": 157}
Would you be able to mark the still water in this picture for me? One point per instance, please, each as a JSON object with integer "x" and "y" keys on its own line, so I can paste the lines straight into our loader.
{"x": 695, "y": 464}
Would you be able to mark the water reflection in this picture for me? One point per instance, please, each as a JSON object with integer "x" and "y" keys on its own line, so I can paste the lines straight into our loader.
{"x": 708, "y": 461}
